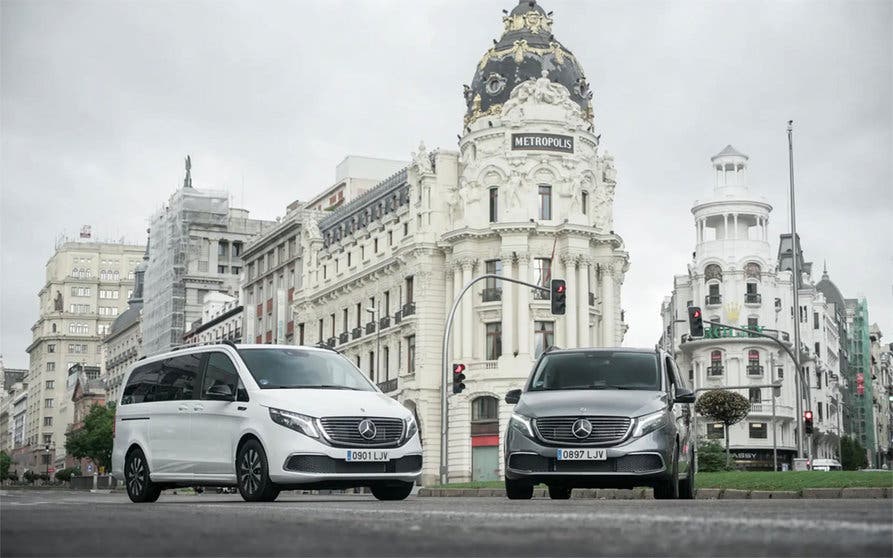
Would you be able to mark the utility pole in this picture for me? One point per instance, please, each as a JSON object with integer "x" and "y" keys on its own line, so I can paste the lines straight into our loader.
{"x": 796, "y": 288}
{"x": 774, "y": 418}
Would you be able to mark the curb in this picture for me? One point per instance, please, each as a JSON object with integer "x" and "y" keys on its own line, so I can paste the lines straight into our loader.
{"x": 702, "y": 493}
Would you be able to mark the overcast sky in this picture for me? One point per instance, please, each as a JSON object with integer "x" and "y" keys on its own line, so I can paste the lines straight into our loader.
{"x": 101, "y": 101}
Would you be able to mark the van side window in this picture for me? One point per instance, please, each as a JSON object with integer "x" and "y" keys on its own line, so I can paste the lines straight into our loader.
{"x": 141, "y": 384}
{"x": 178, "y": 378}
{"x": 220, "y": 370}
{"x": 671, "y": 377}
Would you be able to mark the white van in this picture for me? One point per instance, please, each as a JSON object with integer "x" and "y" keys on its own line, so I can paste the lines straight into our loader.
{"x": 826, "y": 465}
{"x": 263, "y": 418}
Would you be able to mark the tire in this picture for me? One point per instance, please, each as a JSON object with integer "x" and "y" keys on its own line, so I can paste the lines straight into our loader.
{"x": 560, "y": 492}
{"x": 140, "y": 488}
{"x": 669, "y": 488}
{"x": 253, "y": 474}
{"x": 687, "y": 485}
{"x": 518, "y": 489}
{"x": 392, "y": 491}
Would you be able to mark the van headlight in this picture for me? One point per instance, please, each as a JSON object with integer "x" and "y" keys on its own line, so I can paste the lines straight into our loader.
{"x": 410, "y": 427}
{"x": 522, "y": 423}
{"x": 647, "y": 424}
{"x": 296, "y": 421}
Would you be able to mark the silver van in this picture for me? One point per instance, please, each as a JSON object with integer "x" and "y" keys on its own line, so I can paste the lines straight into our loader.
{"x": 601, "y": 418}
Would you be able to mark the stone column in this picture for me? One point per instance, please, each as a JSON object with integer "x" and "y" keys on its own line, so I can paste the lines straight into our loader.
{"x": 583, "y": 307}
{"x": 508, "y": 315}
{"x": 457, "y": 319}
{"x": 467, "y": 309}
{"x": 568, "y": 262}
{"x": 608, "y": 309}
{"x": 735, "y": 230}
{"x": 524, "y": 325}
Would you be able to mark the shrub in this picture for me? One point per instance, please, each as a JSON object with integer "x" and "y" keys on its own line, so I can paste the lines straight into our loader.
{"x": 711, "y": 457}
{"x": 65, "y": 475}
{"x": 29, "y": 476}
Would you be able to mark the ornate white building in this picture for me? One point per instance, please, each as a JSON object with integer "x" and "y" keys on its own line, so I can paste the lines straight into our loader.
{"x": 734, "y": 278}
{"x": 527, "y": 195}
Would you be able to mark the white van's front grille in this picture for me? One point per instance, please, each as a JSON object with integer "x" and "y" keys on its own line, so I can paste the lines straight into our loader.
{"x": 363, "y": 431}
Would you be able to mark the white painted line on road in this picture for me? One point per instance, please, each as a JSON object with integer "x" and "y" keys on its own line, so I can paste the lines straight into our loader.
{"x": 784, "y": 523}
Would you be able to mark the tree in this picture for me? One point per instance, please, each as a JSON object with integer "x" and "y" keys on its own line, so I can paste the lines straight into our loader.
{"x": 95, "y": 438}
{"x": 852, "y": 454}
{"x": 723, "y": 406}
{"x": 5, "y": 462}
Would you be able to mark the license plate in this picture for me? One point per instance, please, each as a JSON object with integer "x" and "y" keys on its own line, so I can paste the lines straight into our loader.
{"x": 367, "y": 455}
{"x": 585, "y": 454}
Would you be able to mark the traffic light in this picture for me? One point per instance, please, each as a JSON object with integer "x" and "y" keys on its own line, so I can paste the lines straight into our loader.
{"x": 458, "y": 377}
{"x": 695, "y": 322}
{"x": 807, "y": 422}
{"x": 559, "y": 297}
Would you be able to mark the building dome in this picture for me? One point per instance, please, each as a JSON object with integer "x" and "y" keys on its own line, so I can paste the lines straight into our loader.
{"x": 527, "y": 49}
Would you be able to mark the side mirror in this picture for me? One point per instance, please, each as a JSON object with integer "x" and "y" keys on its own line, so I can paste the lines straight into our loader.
{"x": 513, "y": 396}
{"x": 684, "y": 396}
{"x": 220, "y": 392}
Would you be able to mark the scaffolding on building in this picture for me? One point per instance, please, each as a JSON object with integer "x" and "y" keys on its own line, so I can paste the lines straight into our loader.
{"x": 164, "y": 309}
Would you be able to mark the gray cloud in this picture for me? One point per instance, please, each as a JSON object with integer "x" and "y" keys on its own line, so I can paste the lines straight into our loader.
{"x": 101, "y": 100}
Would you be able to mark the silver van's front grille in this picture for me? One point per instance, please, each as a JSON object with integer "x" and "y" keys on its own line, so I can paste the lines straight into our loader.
{"x": 346, "y": 431}
{"x": 604, "y": 430}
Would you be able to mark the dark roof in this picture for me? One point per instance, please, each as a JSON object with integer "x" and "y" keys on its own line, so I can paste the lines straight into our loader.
{"x": 126, "y": 318}
{"x": 526, "y": 49}
{"x": 13, "y": 376}
{"x": 832, "y": 294}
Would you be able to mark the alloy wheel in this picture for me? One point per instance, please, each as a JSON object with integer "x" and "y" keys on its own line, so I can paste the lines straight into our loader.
{"x": 136, "y": 475}
{"x": 250, "y": 471}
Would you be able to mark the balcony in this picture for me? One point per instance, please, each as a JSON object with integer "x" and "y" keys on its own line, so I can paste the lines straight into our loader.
{"x": 370, "y": 327}
{"x": 591, "y": 299}
{"x": 753, "y": 298}
{"x": 388, "y": 386}
{"x": 408, "y": 309}
{"x": 398, "y": 316}
{"x": 754, "y": 370}
{"x": 384, "y": 322}
{"x": 492, "y": 294}
{"x": 713, "y": 300}
{"x": 331, "y": 342}
{"x": 356, "y": 332}
{"x": 715, "y": 370}
{"x": 343, "y": 338}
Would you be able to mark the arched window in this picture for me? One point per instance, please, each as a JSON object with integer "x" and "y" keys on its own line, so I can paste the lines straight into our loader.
{"x": 712, "y": 271}
{"x": 715, "y": 368}
{"x": 754, "y": 368}
{"x": 54, "y": 328}
{"x": 485, "y": 416}
{"x": 752, "y": 270}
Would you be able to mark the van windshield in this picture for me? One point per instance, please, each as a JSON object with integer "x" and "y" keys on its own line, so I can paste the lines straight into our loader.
{"x": 302, "y": 369}
{"x": 597, "y": 370}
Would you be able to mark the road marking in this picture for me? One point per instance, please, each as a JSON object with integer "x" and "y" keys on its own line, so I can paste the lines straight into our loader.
{"x": 778, "y": 523}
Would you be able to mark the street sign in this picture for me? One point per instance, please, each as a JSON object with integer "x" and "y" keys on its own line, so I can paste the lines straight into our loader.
{"x": 90, "y": 468}
{"x": 51, "y": 470}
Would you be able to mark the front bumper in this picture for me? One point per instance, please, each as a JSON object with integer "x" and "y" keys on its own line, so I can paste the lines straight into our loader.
{"x": 296, "y": 459}
{"x": 634, "y": 462}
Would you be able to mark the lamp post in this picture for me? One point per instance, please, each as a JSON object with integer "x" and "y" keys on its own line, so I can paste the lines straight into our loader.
{"x": 376, "y": 317}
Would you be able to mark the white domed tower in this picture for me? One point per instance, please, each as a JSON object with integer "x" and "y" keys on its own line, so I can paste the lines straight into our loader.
{"x": 534, "y": 198}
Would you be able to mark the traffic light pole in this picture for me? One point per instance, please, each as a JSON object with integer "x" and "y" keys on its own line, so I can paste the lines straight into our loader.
{"x": 799, "y": 374}
{"x": 444, "y": 388}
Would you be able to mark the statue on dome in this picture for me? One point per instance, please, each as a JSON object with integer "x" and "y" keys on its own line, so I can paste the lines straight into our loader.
{"x": 422, "y": 160}
{"x": 603, "y": 209}
{"x": 311, "y": 229}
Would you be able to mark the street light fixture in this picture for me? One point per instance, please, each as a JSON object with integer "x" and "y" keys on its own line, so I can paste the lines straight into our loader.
{"x": 376, "y": 317}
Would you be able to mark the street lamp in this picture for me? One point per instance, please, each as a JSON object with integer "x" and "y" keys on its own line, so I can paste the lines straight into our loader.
{"x": 376, "y": 315}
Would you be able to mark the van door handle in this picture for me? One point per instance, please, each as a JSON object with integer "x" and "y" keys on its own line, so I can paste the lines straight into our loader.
{"x": 241, "y": 408}
{"x": 198, "y": 408}
{"x": 183, "y": 408}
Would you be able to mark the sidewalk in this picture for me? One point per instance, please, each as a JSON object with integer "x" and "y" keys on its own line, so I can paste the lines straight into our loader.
{"x": 702, "y": 493}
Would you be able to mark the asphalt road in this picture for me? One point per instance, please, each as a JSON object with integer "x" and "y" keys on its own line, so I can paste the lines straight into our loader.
{"x": 61, "y": 523}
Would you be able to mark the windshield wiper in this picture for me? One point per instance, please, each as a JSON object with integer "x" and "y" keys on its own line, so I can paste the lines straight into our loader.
{"x": 318, "y": 386}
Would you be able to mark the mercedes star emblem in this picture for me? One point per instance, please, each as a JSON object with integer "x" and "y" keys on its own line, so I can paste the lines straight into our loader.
{"x": 367, "y": 429}
{"x": 582, "y": 428}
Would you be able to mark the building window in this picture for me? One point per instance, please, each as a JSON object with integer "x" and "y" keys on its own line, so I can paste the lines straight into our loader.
{"x": 494, "y": 340}
{"x": 348, "y": 259}
{"x": 50, "y": 384}
{"x": 755, "y": 395}
{"x": 492, "y": 290}
{"x": 51, "y": 347}
{"x": 48, "y": 421}
{"x": 753, "y": 363}
{"x": 584, "y": 203}
{"x": 48, "y": 403}
{"x": 753, "y": 323}
{"x": 545, "y": 208}
{"x": 712, "y": 271}
{"x": 390, "y": 238}
{"x": 758, "y": 430}
{"x": 319, "y": 338}
{"x": 715, "y": 431}
{"x": 819, "y": 409}
{"x": 47, "y": 439}
{"x": 815, "y": 320}
{"x": 543, "y": 336}
{"x": 300, "y": 334}
{"x": 542, "y": 268}
{"x": 51, "y": 367}
{"x": 410, "y": 353}
{"x": 409, "y": 290}
{"x": 485, "y": 416}
{"x": 494, "y": 204}
{"x": 375, "y": 244}
{"x": 386, "y": 361}
{"x": 344, "y": 319}
{"x": 405, "y": 229}
{"x": 818, "y": 350}
{"x": 372, "y": 365}
{"x": 332, "y": 321}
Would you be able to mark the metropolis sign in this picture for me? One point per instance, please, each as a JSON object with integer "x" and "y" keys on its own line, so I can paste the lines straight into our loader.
{"x": 543, "y": 142}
